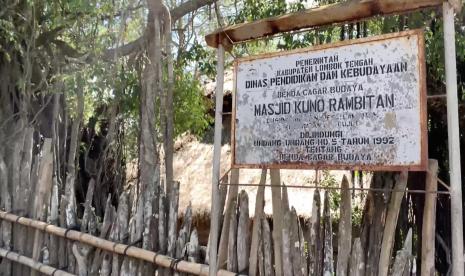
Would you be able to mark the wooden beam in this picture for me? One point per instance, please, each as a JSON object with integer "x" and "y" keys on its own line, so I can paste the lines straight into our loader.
{"x": 326, "y": 15}
{"x": 429, "y": 220}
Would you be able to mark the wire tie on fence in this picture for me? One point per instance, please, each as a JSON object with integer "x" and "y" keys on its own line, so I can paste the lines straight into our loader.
{"x": 66, "y": 232}
{"x": 114, "y": 246}
{"x": 54, "y": 271}
{"x": 44, "y": 226}
{"x": 155, "y": 257}
{"x": 17, "y": 219}
{"x": 127, "y": 247}
{"x": 174, "y": 263}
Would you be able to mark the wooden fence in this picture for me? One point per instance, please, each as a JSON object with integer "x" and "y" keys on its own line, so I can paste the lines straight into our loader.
{"x": 37, "y": 236}
{"x": 283, "y": 245}
{"x": 309, "y": 248}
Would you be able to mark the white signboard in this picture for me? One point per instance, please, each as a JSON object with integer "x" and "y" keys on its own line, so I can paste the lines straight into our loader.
{"x": 358, "y": 104}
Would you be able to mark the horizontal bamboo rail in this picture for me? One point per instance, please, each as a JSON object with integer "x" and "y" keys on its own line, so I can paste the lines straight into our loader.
{"x": 42, "y": 268}
{"x": 118, "y": 248}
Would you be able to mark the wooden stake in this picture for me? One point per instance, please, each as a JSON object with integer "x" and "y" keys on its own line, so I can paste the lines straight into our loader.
{"x": 232, "y": 243}
{"x": 328, "y": 266}
{"x": 193, "y": 252}
{"x": 267, "y": 248}
{"x": 403, "y": 258}
{"x": 286, "y": 245}
{"x": 215, "y": 208}
{"x": 259, "y": 205}
{"x": 345, "y": 229}
{"x": 42, "y": 193}
{"x": 297, "y": 263}
{"x": 277, "y": 220}
{"x": 5, "y": 267}
{"x": 391, "y": 223}
{"x": 173, "y": 219}
{"x": 243, "y": 237}
{"x": 232, "y": 196}
{"x": 315, "y": 248}
{"x": 429, "y": 220}
{"x": 357, "y": 265}
{"x": 303, "y": 250}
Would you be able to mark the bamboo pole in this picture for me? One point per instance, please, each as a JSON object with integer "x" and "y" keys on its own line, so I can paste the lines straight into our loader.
{"x": 118, "y": 248}
{"x": 454, "y": 141}
{"x": 215, "y": 208}
{"x": 37, "y": 266}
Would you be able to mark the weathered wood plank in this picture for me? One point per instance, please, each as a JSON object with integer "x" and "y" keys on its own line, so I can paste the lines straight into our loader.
{"x": 81, "y": 254}
{"x": 15, "y": 182}
{"x": 334, "y": 13}
{"x": 357, "y": 264}
{"x": 232, "y": 243}
{"x": 108, "y": 217}
{"x": 162, "y": 222}
{"x": 173, "y": 219}
{"x": 53, "y": 218}
{"x": 42, "y": 199}
{"x": 277, "y": 220}
{"x": 232, "y": 195}
{"x": 429, "y": 220}
{"x": 193, "y": 248}
{"x": 315, "y": 248}
{"x": 5, "y": 203}
{"x": 260, "y": 268}
{"x": 120, "y": 229}
{"x": 373, "y": 221}
{"x": 259, "y": 205}
{"x": 391, "y": 223}
{"x": 328, "y": 265}
{"x": 87, "y": 205}
{"x": 24, "y": 197}
{"x": 403, "y": 258}
{"x": 62, "y": 242}
{"x": 303, "y": 249}
{"x": 267, "y": 248}
{"x": 345, "y": 229}
{"x": 297, "y": 262}
{"x": 243, "y": 233}
{"x": 286, "y": 245}
{"x": 185, "y": 232}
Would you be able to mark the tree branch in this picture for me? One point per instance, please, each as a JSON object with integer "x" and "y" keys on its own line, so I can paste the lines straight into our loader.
{"x": 188, "y": 7}
{"x": 132, "y": 46}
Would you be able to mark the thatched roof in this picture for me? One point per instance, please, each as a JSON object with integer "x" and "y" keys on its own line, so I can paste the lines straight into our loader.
{"x": 193, "y": 168}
